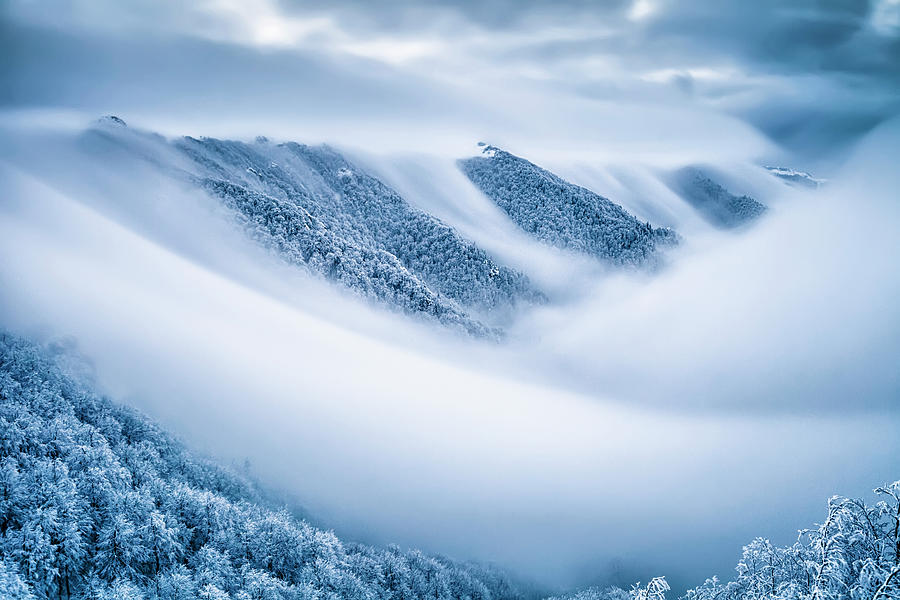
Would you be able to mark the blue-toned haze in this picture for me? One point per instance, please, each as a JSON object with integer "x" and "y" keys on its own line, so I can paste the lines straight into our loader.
{"x": 652, "y": 316}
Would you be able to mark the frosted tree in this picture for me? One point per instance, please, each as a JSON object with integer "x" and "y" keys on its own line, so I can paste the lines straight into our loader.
{"x": 175, "y": 584}
{"x": 12, "y": 587}
{"x": 120, "y": 589}
{"x": 119, "y": 551}
{"x": 212, "y": 569}
{"x": 712, "y": 589}
{"x": 162, "y": 539}
{"x": 259, "y": 585}
{"x": 36, "y": 551}
{"x": 654, "y": 590}
{"x": 851, "y": 554}
{"x": 888, "y": 511}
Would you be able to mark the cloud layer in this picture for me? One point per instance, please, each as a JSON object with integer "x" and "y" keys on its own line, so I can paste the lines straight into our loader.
{"x": 811, "y": 75}
{"x": 637, "y": 427}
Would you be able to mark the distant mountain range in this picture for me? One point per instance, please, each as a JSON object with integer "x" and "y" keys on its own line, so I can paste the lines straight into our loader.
{"x": 321, "y": 212}
{"x": 317, "y": 210}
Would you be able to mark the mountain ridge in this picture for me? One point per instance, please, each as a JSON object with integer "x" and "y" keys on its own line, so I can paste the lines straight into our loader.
{"x": 320, "y": 212}
{"x": 563, "y": 214}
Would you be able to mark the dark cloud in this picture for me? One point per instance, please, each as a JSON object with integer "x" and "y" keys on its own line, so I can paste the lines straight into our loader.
{"x": 838, "y": 42}
{"x": 804, "y": 36}
{"x": 810, "y": 74}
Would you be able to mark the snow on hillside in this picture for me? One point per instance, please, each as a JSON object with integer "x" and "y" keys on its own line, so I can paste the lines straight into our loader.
{"x": 320, "y": 212}
{"x": 562, "y": 214}
{"x": 713, "y": 201}
{"x": 97, "y": 501}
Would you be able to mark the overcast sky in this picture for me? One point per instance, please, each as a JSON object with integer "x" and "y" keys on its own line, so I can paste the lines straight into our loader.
{"x": 809, "y": 75}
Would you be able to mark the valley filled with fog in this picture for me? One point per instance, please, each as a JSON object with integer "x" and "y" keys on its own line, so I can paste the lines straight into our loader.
{"x": 631, "y": 416}
{"x": 429, "y": 341}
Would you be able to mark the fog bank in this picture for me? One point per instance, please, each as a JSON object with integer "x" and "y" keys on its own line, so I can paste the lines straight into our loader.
{"x": 636, "y": 425}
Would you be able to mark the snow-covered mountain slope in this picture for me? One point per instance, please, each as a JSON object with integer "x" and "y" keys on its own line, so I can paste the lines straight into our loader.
{"x": 97, "y": 501}
{"x": 639, "y": 190}
{"x": 436, "y": 185}
{"x": 713, "y": 201}
{"x": 562, "y": 214}
{"x": 322, "y": 212}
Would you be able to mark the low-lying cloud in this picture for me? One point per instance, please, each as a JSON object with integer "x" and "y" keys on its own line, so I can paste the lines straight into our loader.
{"x": 638, "y": 424}
{"x": 614, "y": 431}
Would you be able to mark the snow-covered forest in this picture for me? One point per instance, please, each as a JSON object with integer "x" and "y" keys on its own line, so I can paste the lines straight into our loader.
{"x": 716, "y": 203}
{"x": 97, "y": 501}
{"x": 320, "y": 212}
{"x": 562, "y": 214}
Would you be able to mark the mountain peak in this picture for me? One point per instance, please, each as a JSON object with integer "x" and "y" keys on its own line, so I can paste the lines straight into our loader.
{"x": 112, "y": 120}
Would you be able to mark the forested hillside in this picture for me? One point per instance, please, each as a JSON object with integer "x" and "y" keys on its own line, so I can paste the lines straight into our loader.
{"x": 719, "y": 206}
{"x": 96, "y": 501}
{"x": 319, "y": 211}
{"x": 853, "y": 554}
{"x": 302, "y": 239}
{"x": 562, "y": 214}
